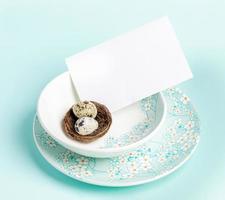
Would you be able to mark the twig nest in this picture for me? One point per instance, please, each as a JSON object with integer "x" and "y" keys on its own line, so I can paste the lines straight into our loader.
{"x": 85, "y": 125}
{"x": 103, "y": 118}
{"x": 85, "y": 109}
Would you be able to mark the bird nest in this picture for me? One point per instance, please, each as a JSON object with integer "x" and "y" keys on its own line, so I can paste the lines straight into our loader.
{"x": 103, "y": 118}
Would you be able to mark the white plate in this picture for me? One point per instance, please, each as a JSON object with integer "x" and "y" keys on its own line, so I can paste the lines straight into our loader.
{"x": 58, "y": 97}
{"x": 168, "y": 150}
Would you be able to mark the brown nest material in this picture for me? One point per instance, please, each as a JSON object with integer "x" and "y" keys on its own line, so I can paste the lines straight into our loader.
{"x": 103, "y": 118}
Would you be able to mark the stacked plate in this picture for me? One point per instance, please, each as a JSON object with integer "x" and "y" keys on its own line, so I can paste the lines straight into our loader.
{"x": 147, "y": 140}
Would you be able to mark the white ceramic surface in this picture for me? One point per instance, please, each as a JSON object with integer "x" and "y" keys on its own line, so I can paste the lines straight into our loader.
{"x": 57, "y": 98}
{"x": 175, "y": 142}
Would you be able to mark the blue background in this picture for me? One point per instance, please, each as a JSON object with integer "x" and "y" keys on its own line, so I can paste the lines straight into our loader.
{"x": 36, "y": 37}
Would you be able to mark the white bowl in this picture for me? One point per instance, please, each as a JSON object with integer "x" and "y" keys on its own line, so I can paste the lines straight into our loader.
{"x": 131, "y": 126}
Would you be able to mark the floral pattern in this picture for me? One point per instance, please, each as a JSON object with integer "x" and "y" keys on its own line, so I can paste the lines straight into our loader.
{"x": 148, "y": 105}
{"x": 176, "y": 141}
{"x": 76, "y": 165}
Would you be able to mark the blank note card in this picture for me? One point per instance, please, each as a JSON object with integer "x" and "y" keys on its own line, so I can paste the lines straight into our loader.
{"x": 130, "y": 67}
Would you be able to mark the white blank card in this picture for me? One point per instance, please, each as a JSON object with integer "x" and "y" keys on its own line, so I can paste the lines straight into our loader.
{"x": 130, "y": 67}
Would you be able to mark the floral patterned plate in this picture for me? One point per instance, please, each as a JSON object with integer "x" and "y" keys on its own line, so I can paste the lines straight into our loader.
{"x": 168, "y": 149}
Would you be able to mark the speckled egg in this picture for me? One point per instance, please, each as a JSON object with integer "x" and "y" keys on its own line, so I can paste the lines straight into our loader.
{"x": 85, "y": 125}
{"x": 85, "y": 109}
